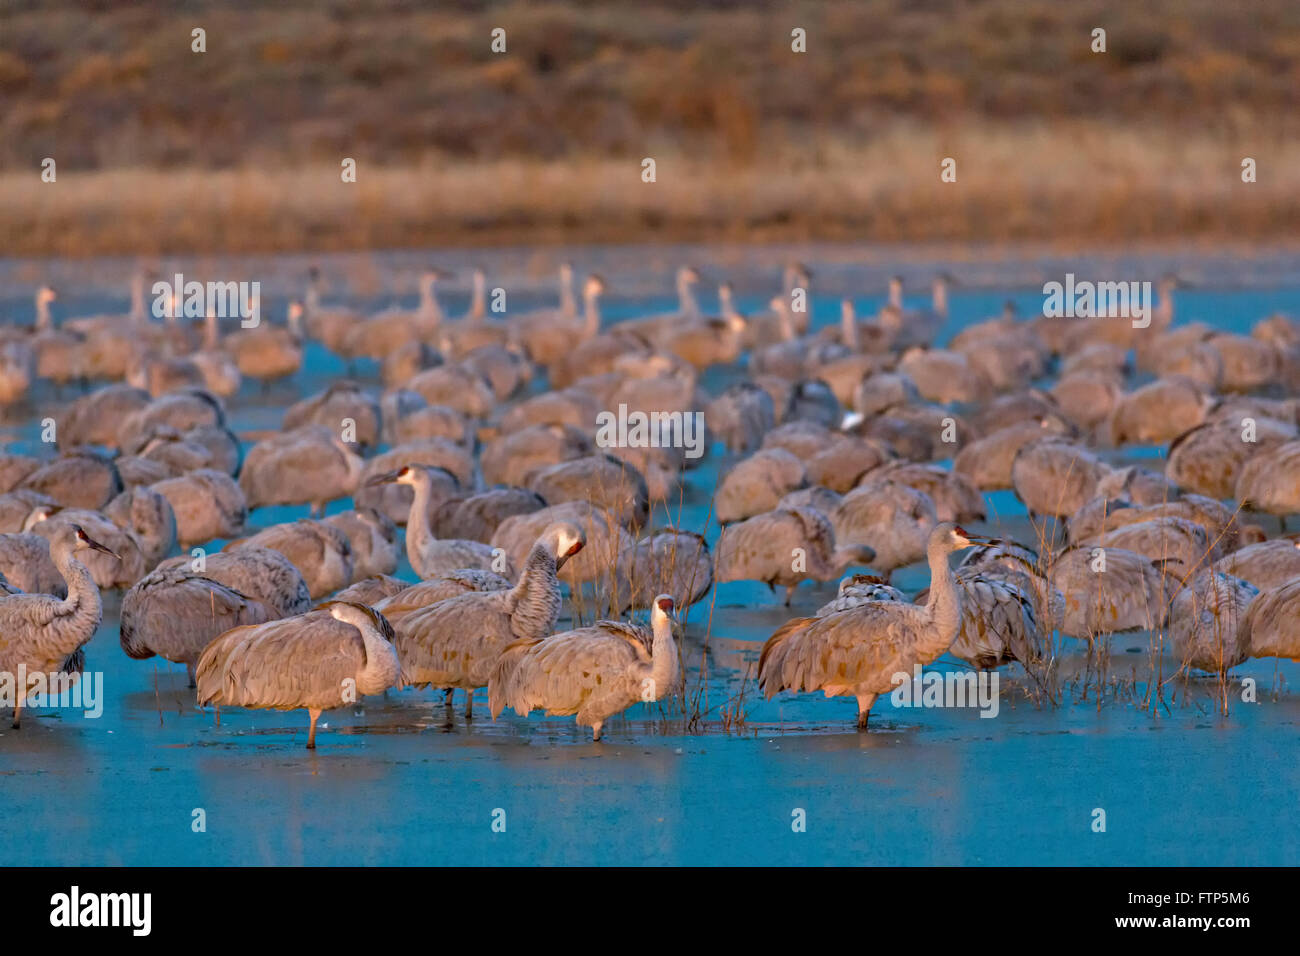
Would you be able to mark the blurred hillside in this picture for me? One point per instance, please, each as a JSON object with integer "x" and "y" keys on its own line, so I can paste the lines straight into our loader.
{"x": 285, "y": 91}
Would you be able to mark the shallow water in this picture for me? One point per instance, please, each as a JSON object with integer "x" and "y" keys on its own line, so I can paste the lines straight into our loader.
{"x": 395, "y": 781}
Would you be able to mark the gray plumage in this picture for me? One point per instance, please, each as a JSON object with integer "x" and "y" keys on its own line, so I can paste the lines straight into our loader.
{"x": 456, "y": 642}
{"x": 319, "y": 660}
{"x": 893, "y": 518}
{"x": 261, "y": 573}
{"x": 373, "y": 538}
{"x": 207, "y": 503}
{"x": 372, "y": 590}
{"x": 175, "y": 613}
{"x": 765, "y": 548}
{"x": 591, "y": 672}
{"x": 310, "y": 465}
{"x": 320, "y": 551}
{"x": 1267, "y": 565}
{"x": 40, "y": 632}
{"x": 859, "y": 651}
{"x": 1128, "y": 595}
{"x": 476, "y": 517}
{"x": 1206, "y": 622}
{"x": 1270, "y": 623}
{"x": 858, "y": 589}
{"x": 416, "y": 597}
{"x": 428, "y": 554}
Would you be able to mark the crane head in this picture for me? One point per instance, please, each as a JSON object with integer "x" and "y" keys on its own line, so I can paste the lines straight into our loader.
{"x": 663, "y": 608}
{"x": 86, "y": 542}
{"x": 569, "y": 540}
{"x": 958, "y": 538}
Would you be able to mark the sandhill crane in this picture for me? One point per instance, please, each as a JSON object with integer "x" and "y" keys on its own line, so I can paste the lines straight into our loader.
{"x": 1270, "y": 622}
{"x": 267, "y": 352}
{"x": 741, "y": 416}
{"x": 1000, "y": 618}
{"x": 148, "y": 515}
{"x": 1158, "y": 412}
{"x": 26, "y": 563}
{"x": 373, "y": 538}
{"x": 79, "y": 478}
{"x": 894, "y": 518}
{"x": 320, "y": 551}
{"x": 372, "y": 590}
{"x": 987, "y": 460}
{"x": 785, "y": 547}
{"x": 858, "y": 589}
{"x": 330, "y": 327}
{"x": 309, "y": 661}
{"x": 416, "y": 597}
{"x": 607, "y": 482}
{"x": 1054, "y": 476}
{"x": 175, "y": 613}
{"x": 670, "y": 561}
{"x": 121, "y": 570}
{"x": 1108, "y": 590}
{"x": 207, "y": 503}
{"x": 1205, "y": 622}
{"x": 549, "y": 339}
{"x": 1266, "y": 564}
{"x": 456, "y": 642}
{"x": 955, "y": 497}
{"x": 260, "y": 573}
{"x": 389, "y": 330}
{"x": 342, "y": 401}
{"x": 592, "y": 673}
{"x": 41, "y": 633}
{"x": 311, "y": 464}
{"x": 1270, "y": 482}
{"x": 1209, "y": 459}
{"x": 428, "y": 555}
{"x": 476, "y": 517}
{"x": 756, "y": 484}
{"x": 860, "y": 651}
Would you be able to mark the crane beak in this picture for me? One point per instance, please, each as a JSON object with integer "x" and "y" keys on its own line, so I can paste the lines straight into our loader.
{"x": 385, "y": 478}
{"x": 99, "y": 547}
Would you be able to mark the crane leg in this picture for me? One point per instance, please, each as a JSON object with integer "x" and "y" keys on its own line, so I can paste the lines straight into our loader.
{"x": 311, "y": 734}
{"x": 189, "y": 672}
{"x": 789, "y": 593}
{"x": 595, "y": 731}
{"x": 448, "y": 694}
{"x": 18, "y": 715}
{"x": 469, "y": 704}
{"x": 864, "y": 709}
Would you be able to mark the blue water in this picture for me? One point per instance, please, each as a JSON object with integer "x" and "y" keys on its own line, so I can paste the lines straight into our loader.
{"x": 393, "y": 782}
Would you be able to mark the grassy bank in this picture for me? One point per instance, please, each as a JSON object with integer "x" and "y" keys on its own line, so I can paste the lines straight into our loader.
{"x": 1066, "y": 181}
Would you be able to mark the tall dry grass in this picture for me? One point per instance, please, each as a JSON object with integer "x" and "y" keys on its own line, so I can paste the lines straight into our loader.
{"x": 1082, "y": 180}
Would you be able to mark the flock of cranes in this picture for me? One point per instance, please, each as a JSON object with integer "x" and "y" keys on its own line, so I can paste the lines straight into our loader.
{"x": 861, "y": 445}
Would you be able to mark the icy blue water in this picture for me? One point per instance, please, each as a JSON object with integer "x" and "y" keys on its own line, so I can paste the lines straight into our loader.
{"x": 393, "y": 782}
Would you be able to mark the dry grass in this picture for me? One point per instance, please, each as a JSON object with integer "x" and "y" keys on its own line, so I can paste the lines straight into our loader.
{"x": 1083, "y": 181}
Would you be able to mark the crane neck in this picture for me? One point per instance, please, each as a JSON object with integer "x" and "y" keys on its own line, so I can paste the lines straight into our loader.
{"x": 568, "y": 306}
{"x": 686, "y": 297}
{"x": 382, "y": 663}
{"x": 537, "y": 594}
{"x": 943, "y": 607}
{"x": 418, "y": 531}
{"x": 82, "y": 608}
{"x": 664, "y": 663}
{"x": 591, "y": 310}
